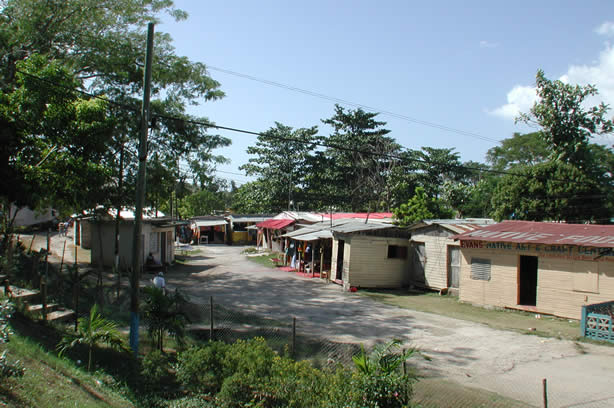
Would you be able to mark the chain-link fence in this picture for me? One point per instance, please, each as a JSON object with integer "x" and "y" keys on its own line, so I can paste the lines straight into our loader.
{"x": 214, "y": 321}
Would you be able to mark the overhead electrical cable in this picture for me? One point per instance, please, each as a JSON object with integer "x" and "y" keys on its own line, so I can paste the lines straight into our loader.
{"x": 356, "y": 105}
{"x": 296, "y": 140}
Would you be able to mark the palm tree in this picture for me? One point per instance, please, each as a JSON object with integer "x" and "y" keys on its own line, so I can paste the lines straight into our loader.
{"x": 91, "y": 331}
{"x": 164, "y": 313}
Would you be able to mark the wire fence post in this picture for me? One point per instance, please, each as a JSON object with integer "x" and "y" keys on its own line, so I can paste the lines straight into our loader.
{"x": 404, "y": 362}
{"x": 293, "y": 337}
{"x": 545, "y": 384}
{"x": 211, "y": 318}
{"x": 44, "y": 296}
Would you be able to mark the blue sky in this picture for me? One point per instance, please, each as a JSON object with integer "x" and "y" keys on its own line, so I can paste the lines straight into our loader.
{"x": 464, "y": 65}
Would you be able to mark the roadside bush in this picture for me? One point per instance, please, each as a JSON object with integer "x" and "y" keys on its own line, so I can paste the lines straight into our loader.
{"x": 155, "y": 369}
{"x": 252, "y": 356}
{"x": 201, "y": 370}
{"x": 10, "y": 368}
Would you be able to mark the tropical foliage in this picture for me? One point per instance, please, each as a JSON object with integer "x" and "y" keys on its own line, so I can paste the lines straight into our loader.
{"x": 92, "y": 330}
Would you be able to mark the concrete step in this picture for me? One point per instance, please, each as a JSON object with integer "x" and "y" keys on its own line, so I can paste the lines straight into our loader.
{"x": 60, "y": 315}
{"x": 20, "y": 293}
{"x": 38, "y": 308}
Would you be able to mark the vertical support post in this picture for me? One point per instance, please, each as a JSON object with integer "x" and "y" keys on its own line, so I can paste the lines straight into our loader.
{"x": 583, "y": 321}
{"x": 293, "y": 337}
{"x": 210, "y": 318}
{"x": 31, "y": 242}
{"x": 62, "y": 262}
{"x": 44, "y": 296}
{"x": 404, "y": 363}
{"x": 76, "y": 291}
{"x": 140, "y": 196}
{"x": 47, "y": 254}
{"x": 545, "y": 384}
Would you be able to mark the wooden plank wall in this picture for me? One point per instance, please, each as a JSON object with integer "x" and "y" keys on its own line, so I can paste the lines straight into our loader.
{"x": 369, "y": 265}
{"x": 436, "y": 267}
{"x": 563, "y": 285}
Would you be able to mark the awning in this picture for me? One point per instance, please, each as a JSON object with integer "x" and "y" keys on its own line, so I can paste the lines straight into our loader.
{"x": 209, "y": 223}
{"x": 275, "y": 224}
{"x": 314, "y": 236}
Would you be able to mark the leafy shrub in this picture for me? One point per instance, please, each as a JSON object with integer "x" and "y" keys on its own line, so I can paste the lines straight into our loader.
{"x": 202, "y": 369}
{"x": 252, "y": 356}
{"x": 10, "y": 369}
{"x": 155, "y": 368}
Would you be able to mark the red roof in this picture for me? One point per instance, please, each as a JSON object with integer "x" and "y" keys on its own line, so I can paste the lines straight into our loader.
{"x": 372, "y": 216}
{"x": 275, "y": 224}
{"x": 592, "y": 235}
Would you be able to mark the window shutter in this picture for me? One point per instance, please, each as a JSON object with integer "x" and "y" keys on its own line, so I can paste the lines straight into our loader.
{"x": 480, "y": 269}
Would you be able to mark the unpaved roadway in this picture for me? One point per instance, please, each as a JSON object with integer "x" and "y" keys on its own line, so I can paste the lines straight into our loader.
{"x": 508, "y": 363}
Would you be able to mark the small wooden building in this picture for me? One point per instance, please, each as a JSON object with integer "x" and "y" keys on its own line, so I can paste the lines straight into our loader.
{"x": 540, "y": 267}
{"x": 239, "y": 227}
{"x": 158, "y": 239}
{"x": 210, "y": 229}
{"x": 435, "y": 256}
{"x": 370, "y": 255}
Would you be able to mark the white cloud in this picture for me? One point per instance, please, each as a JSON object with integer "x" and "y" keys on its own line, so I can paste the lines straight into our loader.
{"x": 606, "y": 29}
{"x": 599, "y": 73}
{"x": 488, "y": 44}
{"x": 519, "y": 99}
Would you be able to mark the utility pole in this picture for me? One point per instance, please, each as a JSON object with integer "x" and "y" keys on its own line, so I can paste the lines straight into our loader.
{"x": 137, "y": 240}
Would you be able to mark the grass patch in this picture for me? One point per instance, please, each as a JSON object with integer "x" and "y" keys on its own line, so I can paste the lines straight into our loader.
{"x": 53, "y": 382}
{"x": 523, "y": 322}
{"x": 265, "y": 260}
{"x": 441, "y": 393}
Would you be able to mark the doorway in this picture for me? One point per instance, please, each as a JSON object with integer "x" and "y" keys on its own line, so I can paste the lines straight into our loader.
{"x": 418, "y": 259}
{"x": 163, "y": 248}
{"x": 339, "y": 274}
{"x": 453, "y": 266}
{"x": 527, "y": 281}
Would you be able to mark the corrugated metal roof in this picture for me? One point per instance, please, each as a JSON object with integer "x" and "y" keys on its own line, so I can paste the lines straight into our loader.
{"x": 601, "y": 236}
{"x": 314, "y": 236}
{"x": 371, "y": 216}
{"x": 357, "y": 226}
{"x": 236, "y": 220}
{"x": 208, "y": 223}
{"x": 275, "y": 223}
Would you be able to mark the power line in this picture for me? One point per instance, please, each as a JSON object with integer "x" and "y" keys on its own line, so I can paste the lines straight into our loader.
{"x": 356, "y": 105}
{"x": 296, "y": 140}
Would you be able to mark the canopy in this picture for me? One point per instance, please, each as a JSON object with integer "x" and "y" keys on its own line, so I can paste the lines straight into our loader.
{"x": 209, "y": 223}
{"x": 314, "y": 236}
{"x": 275, "y": 224}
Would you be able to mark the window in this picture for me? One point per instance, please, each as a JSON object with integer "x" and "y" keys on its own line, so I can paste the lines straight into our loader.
{"x": 154, "y": 244}
{"x": 397, "y": 251}
{"x": 480, "y": 269}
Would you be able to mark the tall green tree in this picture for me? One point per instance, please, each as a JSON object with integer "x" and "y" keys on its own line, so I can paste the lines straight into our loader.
{"x": 420, "y": 207}
{"x": 48, "y": 49}
{"x": 252, "y": 198}
{"x": 520, "y": 149}
{"x": 550, "y": 191}
{"x": 360, "y": 158}
{"x": 203, "y": 202}
{"x": 566, "y": 125}
{"x": 280, "y": 161}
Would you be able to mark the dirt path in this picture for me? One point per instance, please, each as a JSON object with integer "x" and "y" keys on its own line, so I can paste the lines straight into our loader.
{"x": 507, "y": 363}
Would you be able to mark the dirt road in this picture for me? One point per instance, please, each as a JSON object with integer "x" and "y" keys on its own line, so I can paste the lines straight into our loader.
{"x": 508, "y": 363}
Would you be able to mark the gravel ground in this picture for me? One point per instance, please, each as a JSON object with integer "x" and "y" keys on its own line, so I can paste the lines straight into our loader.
{"x": 508, "y": 363}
